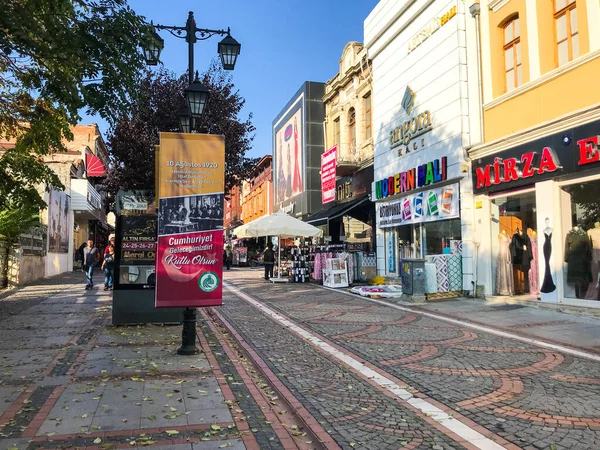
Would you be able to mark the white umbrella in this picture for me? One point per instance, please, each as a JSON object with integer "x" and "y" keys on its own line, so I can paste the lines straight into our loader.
{"x": 279, "y": 224}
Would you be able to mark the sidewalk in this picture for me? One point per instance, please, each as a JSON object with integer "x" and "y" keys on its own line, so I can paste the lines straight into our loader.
{"x": 70, "y": 380}
{"x": 551, "y": 325}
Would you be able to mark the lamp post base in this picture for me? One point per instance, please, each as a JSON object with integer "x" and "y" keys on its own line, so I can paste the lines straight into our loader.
{"x": 188, "y": 334}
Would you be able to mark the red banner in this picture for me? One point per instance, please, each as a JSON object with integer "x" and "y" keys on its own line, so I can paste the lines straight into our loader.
{"x": 189, "y": 263}
{"x": 328, "y": 169}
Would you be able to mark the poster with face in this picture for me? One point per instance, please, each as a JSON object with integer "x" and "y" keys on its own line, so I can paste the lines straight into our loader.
{"x": 58, "y": 222}
{"x": 289, "y": 158}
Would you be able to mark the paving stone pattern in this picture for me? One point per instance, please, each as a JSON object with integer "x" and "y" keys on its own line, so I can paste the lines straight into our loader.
{"x": 535, "y": 398}
{"x": 351, "y": 410}
{"x": 70, "y": 380}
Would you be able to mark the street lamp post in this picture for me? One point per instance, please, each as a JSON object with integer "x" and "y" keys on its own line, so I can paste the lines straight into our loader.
{"x": 196, "y": 96}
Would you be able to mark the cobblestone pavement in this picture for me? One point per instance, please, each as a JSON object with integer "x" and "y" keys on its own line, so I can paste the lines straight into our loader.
{"x": 70, "y": 380}
{"x": 518, "y": 395}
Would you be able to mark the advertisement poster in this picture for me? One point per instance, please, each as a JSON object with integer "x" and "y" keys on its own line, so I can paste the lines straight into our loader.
{"x": 426, "y": 206}
{"x": 289, "y": 157}
{"x": 137, "y": 250}
{"x": 58, "y": 222}
{"x": 328, "y": 168}
{"x": 189, "y": 263}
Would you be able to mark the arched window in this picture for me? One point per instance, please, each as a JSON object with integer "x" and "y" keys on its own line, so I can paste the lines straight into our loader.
{"x": 352, "y": 130}
{"x": 567, "y": 31}
{"x": 512, "y": 54}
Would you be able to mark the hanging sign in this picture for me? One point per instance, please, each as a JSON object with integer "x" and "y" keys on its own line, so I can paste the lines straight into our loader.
{"x": 328, "y": 169}
{"x": 189, "y": 263}
{"x": 426, "y": 206}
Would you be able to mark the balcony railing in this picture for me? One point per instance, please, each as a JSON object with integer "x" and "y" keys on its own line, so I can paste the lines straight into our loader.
{"x": 84, "y": 197}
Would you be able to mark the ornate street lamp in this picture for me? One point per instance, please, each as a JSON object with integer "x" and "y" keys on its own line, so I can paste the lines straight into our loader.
{"x": 152, "y": 47}
{"x": 229, "y": 49}
{"x": 196, "y": 96}
{"x": 185, "y": 121}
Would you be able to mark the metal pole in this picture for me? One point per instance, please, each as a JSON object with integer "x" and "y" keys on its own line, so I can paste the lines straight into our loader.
{"x": 190, "y": 37}
{"x": 188, "y": 333}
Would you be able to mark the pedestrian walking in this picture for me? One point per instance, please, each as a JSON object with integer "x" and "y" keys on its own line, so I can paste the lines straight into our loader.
{"x": 108, "y": 267}
{"x": 227, "y": 256}
{"x": 91, "y": 256}
{"x": 269, "y": 261}
{"x": 111, "y": 242}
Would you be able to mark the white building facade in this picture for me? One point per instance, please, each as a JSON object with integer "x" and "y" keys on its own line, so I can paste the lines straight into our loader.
{"x": 426, "y": 114}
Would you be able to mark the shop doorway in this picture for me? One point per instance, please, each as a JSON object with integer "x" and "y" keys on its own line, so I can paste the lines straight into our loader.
{"x": 515, "y": 245}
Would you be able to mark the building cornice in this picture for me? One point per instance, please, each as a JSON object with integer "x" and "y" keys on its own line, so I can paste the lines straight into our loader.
{"x": 495, "y": 5}
{"x": 570, "y": 120}
{"x": 542, "y": 80}
{"x": 340, "y": 83}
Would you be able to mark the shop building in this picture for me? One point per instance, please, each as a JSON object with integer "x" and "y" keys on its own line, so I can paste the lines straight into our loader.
{"x": 258, "y": 191}
{"x": 232, "y": 217}
{"x": 298, "y": 142}
{"x": 425, "y": 115}
{"x": 537, "y": 174}
{"x": 348, "y": 215}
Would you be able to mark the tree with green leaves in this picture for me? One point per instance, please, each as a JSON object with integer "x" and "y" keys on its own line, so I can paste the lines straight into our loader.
{"x": 131, "y": 142}
{"x": 56, "y": 58}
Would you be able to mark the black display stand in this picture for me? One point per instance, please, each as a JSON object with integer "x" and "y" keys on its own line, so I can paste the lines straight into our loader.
{"x": 133, "y": 287}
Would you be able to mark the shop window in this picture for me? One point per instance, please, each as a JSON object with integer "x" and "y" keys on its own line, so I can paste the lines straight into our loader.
{"x": 512, "y": 54}
{"x": 437, "y": 235}
{"x": 514, "y": 245}
{"x": 581, "y": 241}
{"x": 368, "y": 116}
{"x": 352, "y": 130}
{"x": 567, "y": 31}
{"x": 336, "y": 132}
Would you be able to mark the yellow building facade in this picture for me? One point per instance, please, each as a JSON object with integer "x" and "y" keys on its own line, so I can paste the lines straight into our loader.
{"x": 537, "y": 170}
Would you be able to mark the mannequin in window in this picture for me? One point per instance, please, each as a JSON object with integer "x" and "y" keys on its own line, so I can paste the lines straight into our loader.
{"x": 504, "y": 273}
{"x": 548, "y": 284}
{"x": 578, "y": 256}
{"x": 594, "y": 235}
{"x": 534, "y": 274}
{"x": 520, "y": 252}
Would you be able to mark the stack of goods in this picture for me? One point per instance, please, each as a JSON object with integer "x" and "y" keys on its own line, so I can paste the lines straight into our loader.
{"x": 299, "y": 270}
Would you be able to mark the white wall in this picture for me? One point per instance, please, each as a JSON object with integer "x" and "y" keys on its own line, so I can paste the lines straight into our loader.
{"x": 437, "y": 71}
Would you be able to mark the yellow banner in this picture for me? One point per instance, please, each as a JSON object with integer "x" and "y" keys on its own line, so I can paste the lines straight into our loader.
{"x": 190, "y": 164}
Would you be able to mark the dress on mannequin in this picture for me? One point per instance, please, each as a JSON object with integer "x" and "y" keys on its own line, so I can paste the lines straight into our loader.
{"x": 578, "y": 256}
{"x": 520, "y": 251}
{"x": 534, "y": 274}
{"x": 504, "y": 273}
{"x": 594, "y": 234}
{"x": 548, "y": 285}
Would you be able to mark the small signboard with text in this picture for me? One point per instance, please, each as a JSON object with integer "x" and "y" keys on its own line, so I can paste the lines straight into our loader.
{"x": 328, "y": 169}
{"x": 189, "y": 264}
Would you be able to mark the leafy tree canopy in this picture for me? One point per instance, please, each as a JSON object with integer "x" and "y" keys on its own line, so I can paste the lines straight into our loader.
{"x": 132, "y": 140}
{"x": 57, "y": 57}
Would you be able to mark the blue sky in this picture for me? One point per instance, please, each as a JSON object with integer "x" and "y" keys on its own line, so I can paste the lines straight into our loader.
{"x": 284, "y": 43}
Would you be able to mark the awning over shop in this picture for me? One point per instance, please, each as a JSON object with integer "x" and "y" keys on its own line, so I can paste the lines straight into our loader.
{"x": 95, "y": 167}
{"x": 343, "y": 209}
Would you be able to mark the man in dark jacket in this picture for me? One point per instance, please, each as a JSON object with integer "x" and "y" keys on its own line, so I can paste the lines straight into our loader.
{"x": 269, "y": 261}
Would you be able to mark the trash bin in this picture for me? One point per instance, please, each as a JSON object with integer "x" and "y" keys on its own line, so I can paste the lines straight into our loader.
{"x": 412, "y": 272}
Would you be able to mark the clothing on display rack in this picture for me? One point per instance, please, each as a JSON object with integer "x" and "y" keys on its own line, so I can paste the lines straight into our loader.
{"x": 578, "y": 256}
{"x": 521, "y": 256}
{"x": 504, "y": 272}
{"x": 593, "y": 292}
{"x": 534, "y": 271}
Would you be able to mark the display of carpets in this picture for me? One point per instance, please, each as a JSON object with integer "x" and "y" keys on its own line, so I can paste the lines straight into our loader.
{"x": 430, "y": 278}
{"x": 455, "y": 247}
{"x": 441, "y": 265}
{"x": 454, "y": 272}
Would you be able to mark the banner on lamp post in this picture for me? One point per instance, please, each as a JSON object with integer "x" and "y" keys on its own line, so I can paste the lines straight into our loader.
{"x": 328, "y": 169}
{"x": 190, "y": 185}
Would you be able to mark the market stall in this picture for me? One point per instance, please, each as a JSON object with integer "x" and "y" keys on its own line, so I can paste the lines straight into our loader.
{"x": 281, "y": 225}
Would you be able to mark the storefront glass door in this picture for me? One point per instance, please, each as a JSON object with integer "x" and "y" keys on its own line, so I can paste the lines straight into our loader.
{"x": 515, "y": 254}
